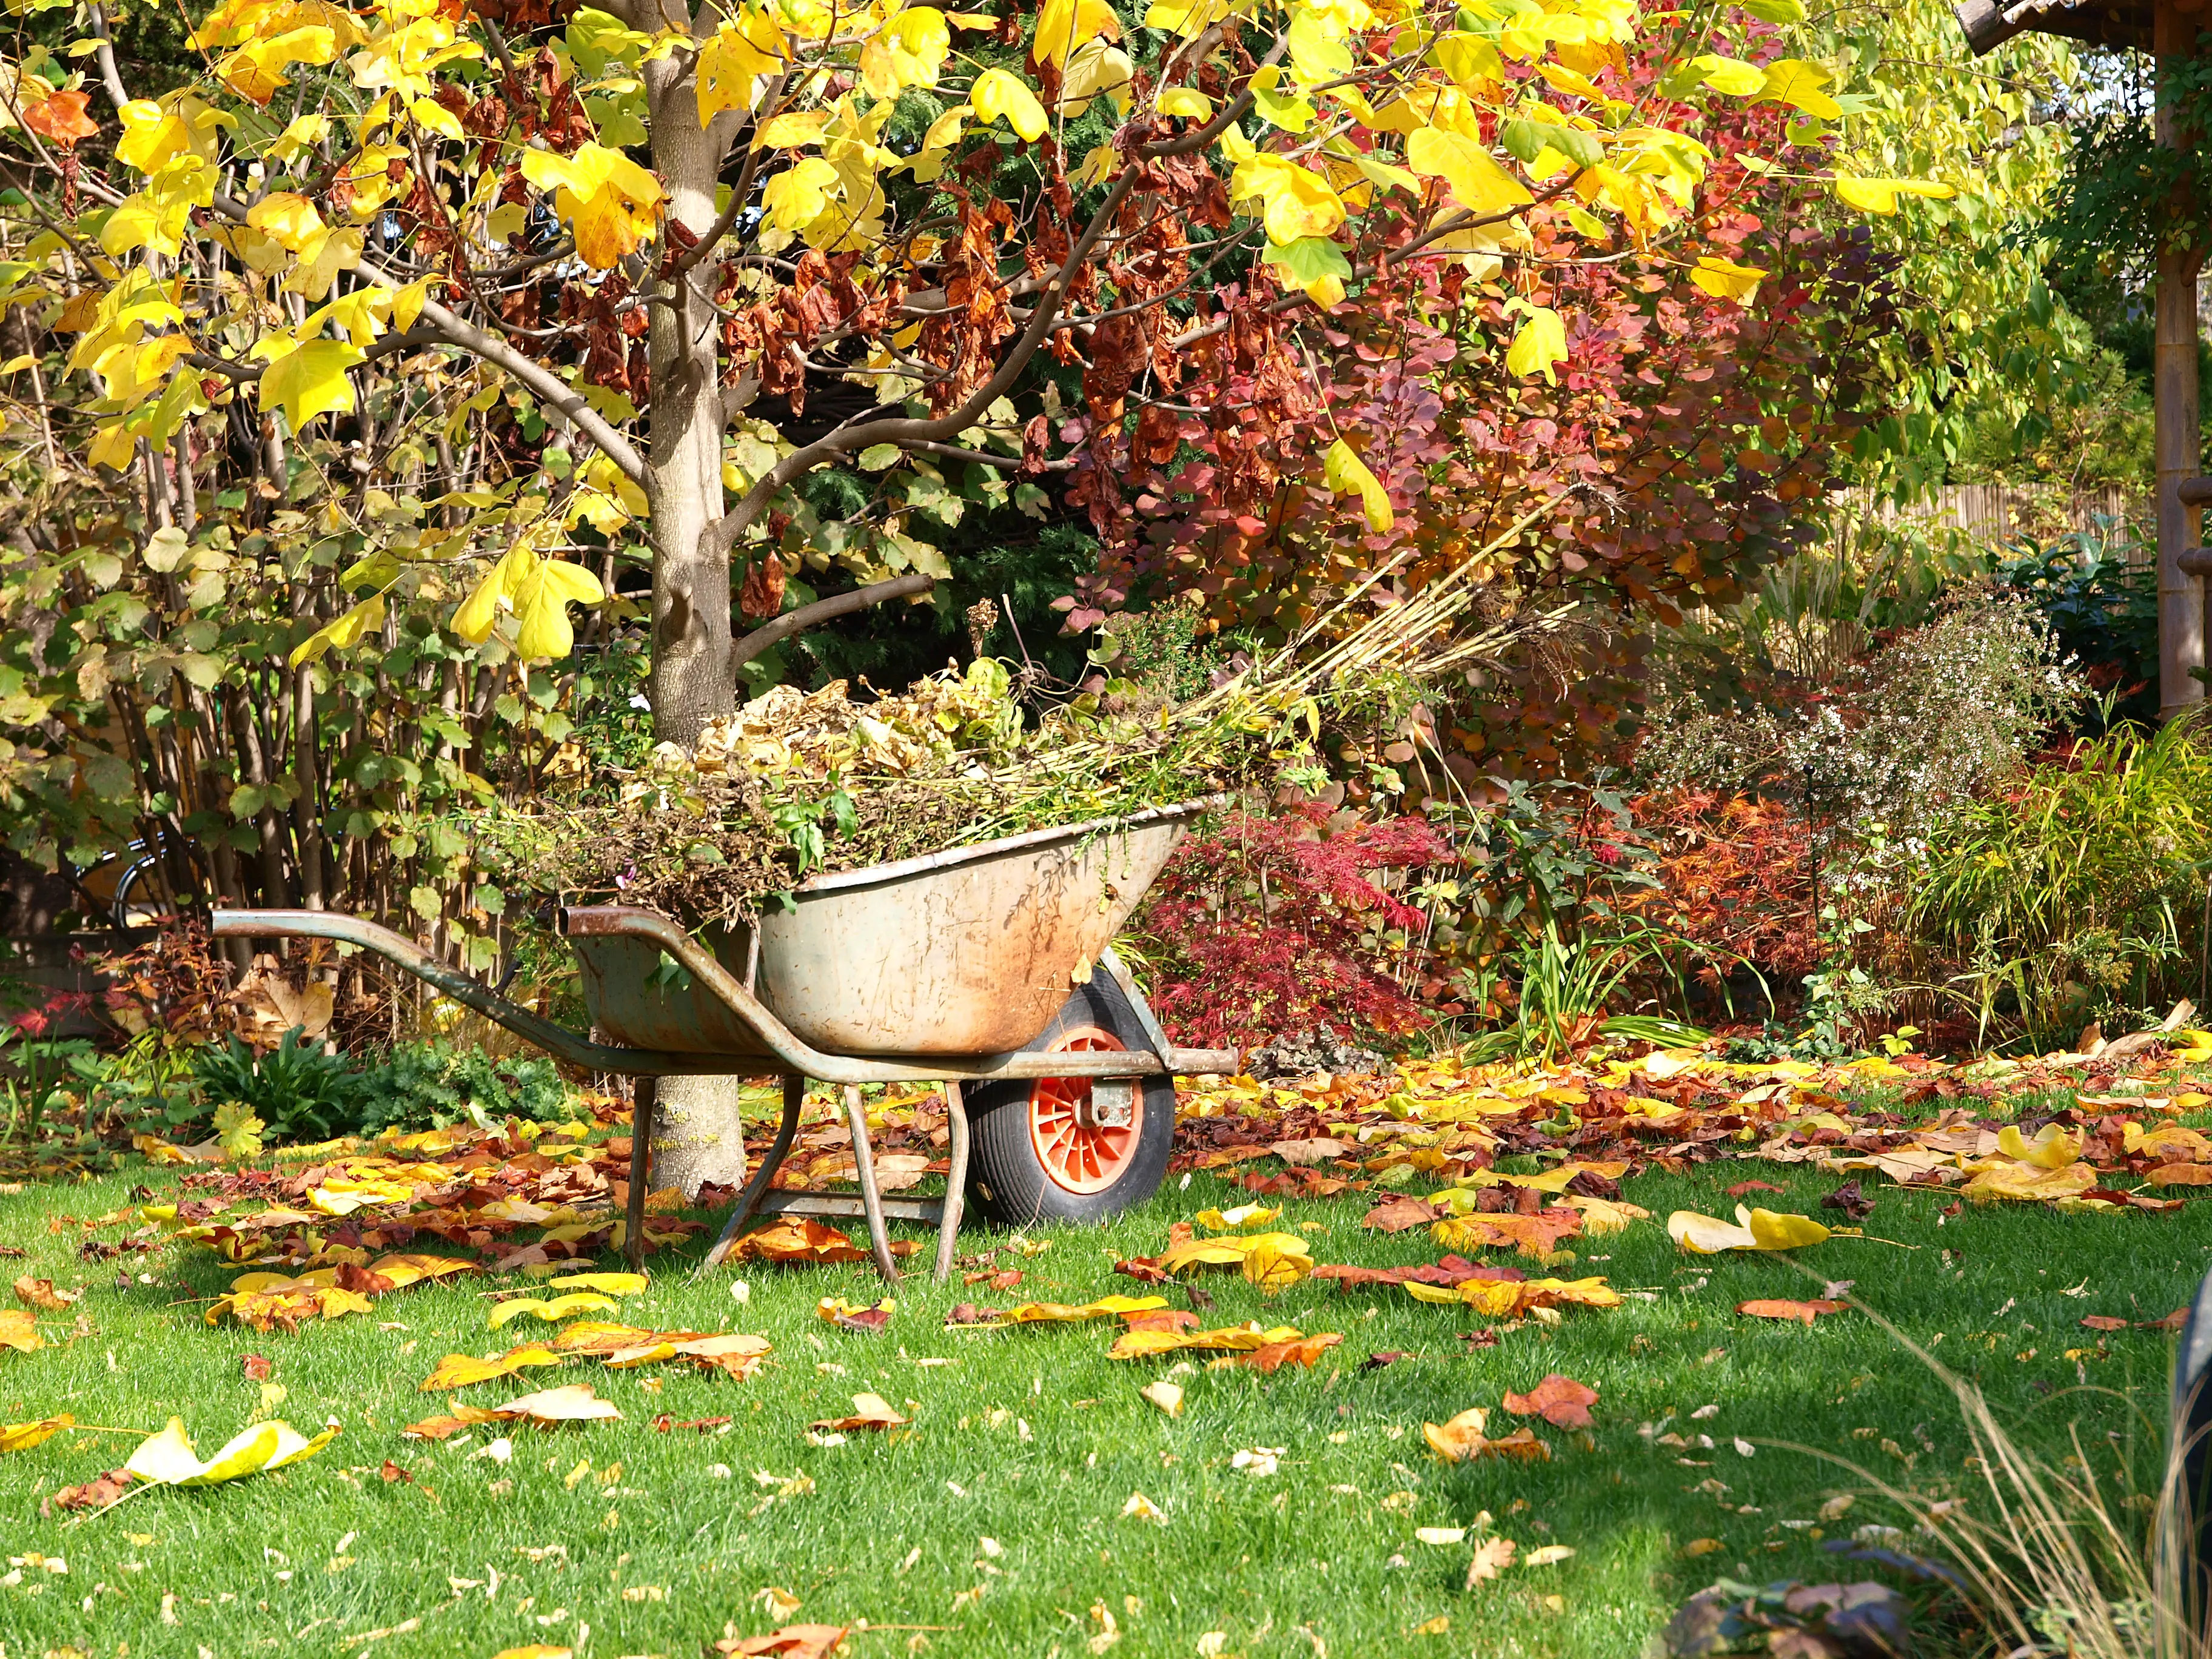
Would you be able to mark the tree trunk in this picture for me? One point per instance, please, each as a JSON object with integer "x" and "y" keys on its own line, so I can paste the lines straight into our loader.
{"x": 699, "y": 1136}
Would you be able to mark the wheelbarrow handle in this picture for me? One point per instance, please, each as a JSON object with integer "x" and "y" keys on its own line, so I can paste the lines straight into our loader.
{"x": 404, "y": 953}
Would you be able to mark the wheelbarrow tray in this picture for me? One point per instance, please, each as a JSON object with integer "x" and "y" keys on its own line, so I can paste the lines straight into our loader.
{"x": 965, "y": 952}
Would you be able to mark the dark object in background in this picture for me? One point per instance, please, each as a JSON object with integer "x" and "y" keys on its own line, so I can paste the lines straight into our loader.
{"x": 1865, "y": 1621}
{"x": 2190, "y": 1438}
{"x": 2104, "y": 610}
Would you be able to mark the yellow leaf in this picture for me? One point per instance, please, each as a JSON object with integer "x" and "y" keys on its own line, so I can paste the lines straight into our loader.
{"x": 460, "y": 1370}
{"x": 731, "y": 64}
{"x": 167, "y": 1458}
{"x": 611, "y": 1284}
{"x": 1731, "y": 75}
{"x": 1343, "y": 469}
{"x": 1755, "y": 1230}
{"x": 1880, "y": 195}
{"x": 1540, "y": 344}
{"x": 611, "y": 204}
{"x": 311, "y": 381}
{"x": 1478, "y": 183}
{"x": 997, "y": 93}
{"x": 791, "y": 131}
{"x": 560, "y": 1308}
{"x": 1186, "y": 101}
{"x": 21, "y": 1437}
{"x": 1470, "y": 60}
{"x": 1294, "y": 202}
{"x": 795, "y": 197}
{"x": 153, "y": 132}
{"x": 480, "y": 611}
{"x": 1724, "y": 279}
{"x": 341, "y": 631}
{"x": 1800, "y": 85}
{"x": 541, "y": 610}
{"x": 918, "y": 39}
{"x": 1063, "y": 25}
{"x": 2052, "y": 1148}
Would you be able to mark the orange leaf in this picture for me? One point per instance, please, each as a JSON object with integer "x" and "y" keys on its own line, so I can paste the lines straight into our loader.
{"x": 1559, "y": 1401}
{"x": 790, "y": 1241}
{"x": 1804, "y": 1312}
{"x": 792, "y": 1642}
{"x": 60, "y": 119}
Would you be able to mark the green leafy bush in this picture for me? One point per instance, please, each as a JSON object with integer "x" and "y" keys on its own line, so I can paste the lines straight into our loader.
{"x": 299, "y": 1090}
{"x": 429, "y": 1085}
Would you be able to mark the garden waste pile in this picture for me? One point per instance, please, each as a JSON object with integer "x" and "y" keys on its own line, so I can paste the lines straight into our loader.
{"x": 795, "y": 784}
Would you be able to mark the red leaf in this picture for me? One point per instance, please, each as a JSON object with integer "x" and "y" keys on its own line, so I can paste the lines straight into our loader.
{"x": 1559, "y": 1401}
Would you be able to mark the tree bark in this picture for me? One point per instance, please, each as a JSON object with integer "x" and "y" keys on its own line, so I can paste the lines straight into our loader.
{"x": 2181, "y": 629}
{"x": 698, "y": 1136}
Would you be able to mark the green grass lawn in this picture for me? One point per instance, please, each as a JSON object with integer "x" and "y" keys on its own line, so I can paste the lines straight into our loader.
{"x": 995, "y": 1527}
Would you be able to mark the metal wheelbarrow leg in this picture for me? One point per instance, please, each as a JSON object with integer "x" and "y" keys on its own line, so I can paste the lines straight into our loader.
{"x": 756, "y": 1190}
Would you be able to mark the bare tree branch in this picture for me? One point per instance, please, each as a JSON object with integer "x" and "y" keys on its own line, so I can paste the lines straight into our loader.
{"x": 839, "y": 605}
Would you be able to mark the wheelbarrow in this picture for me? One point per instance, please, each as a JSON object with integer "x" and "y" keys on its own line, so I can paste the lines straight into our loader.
{"x": 987, "y": 969}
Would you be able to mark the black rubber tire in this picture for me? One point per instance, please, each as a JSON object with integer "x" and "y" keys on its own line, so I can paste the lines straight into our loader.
{"x": 1006, "y": 1180}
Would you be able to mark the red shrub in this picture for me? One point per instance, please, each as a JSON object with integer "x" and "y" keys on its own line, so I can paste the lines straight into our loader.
{"x": 1733, "y": 877}
{"x": 1269, "y": 925}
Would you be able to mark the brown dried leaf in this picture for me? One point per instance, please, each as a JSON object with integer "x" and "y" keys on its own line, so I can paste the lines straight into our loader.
{"x": 1400, "y": 1215}
{"x": 92, "y": 1494}
{"x": 40, "y": 1293}
{"x": 792, "y": 1642}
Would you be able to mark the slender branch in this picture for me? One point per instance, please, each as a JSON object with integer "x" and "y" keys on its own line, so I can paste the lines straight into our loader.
{"x": 839, "y": 605}
{"x": 105, "y": 51}
{"x": 550, "y": 388}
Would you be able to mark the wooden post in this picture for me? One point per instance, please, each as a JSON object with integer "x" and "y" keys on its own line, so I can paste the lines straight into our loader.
{"x": 2173, "y": 368}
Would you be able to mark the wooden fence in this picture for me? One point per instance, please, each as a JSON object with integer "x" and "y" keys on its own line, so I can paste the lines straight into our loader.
{"x": 2000, "y": 513}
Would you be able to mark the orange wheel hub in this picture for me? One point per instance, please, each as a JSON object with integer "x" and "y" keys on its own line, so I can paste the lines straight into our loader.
{"x": 1077, "y": 1151}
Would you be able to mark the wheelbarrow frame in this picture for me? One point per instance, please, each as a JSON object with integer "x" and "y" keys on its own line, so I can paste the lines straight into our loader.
{"x": 787, "y": 1054}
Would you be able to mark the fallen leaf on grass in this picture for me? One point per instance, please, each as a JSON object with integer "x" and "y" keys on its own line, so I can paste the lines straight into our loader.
{"x": 1462, "y": 1440}
{"x": 413, "y": 1269}
{"x": 869, "y": 1410}
{"x": 1503, "y": 1299}
{"x": 1538, "y": 1235}
{"x": 609, "y": 1283}
{"x": 271, "y": 1301}
{"x": 792, "y": 1642}
{"x": 460, "y": 1370}
{"x": 574, "y": 1403}
{"x": 1271, "y": 1357}
{"x": 796, "y": 1241}
{"x": 21, "y": 1437}
{"x": 168, "y": 1459}
{"x": 1559, "y": 1401}
{"x": 2104, "y": 1322}
{"x": 1316, "y": 1149}
{"x": 561, "y": 1307}
{"x": 92, "y": 1495}
{"x": 536, "y": 1650}
{"x": 870, "y": 1321}
{"x": 1061, "y": 1313}
{"x": 735, "y": 1353}
{"x": 1233, "y": 1338}
{"x": 1492, "y": 1557}
{"x": 1271, "y": 1261}
{"x": 1780, "y": 1308}
{"x": 40, "y": 1293}
{"x": 999, "y": 1279}
{"x": 1743, "y": 1187}
{"x": 1755, "y": 1230}
{"x": 1439, "y": 1535}
{"x": 593, "y": 1336}
{"x": 255, "y": 1367}
{"x": 1167, "y": 1396}
{"x": 1375, "y": 1362}
{"x": 18, "y": 1330}
{"x": 1603, "y": 1217}
{"x": 1400, "y": 1215}
{"x": 1245, "y": 1215}
{"x": 1546, "y": 1555}
{"x": 1142, "y": 1508}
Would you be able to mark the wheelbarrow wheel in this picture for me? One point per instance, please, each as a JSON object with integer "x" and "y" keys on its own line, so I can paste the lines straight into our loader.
{"x": 1047, "y": 1150}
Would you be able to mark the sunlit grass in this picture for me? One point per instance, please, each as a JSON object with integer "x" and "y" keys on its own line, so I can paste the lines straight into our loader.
{"x": 664, "y": 1552}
